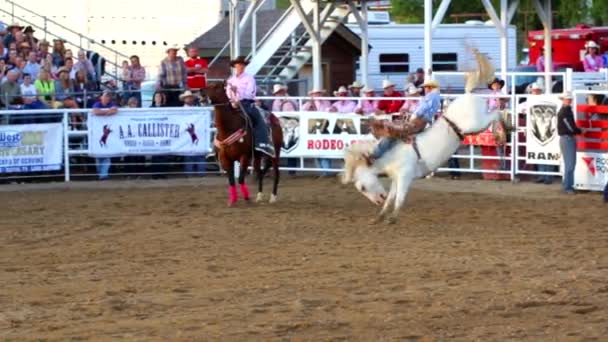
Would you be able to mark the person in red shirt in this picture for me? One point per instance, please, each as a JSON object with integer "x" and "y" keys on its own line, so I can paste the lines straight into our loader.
{"x": 196, "y": 69}
{"x": 389, "y": 106}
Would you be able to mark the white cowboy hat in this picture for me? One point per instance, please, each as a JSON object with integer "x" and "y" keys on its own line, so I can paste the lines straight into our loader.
{"x": 356, "y": 84}
{"x": 277, "y": 88}
{"x": 536, "y": 86}
{"x": 174, "y": 47}
{"x": 566, "y": 95}
{"x": 591, "y": 44}
{"x": 341, "y": 90}
{"x": 316, "y": 91}
{"x": 187, "y": 93}
{"x": 366, "y": 90}
{"x": 431, "y": 83}
{"x": 387, "y": 83}
{"x": 412, "y": 90}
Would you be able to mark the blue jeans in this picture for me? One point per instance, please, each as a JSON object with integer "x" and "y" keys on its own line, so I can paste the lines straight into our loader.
{"x": 606, "y": 193}
{"x": 324, "y": 164}
{"x": 547, "y": 179}
{"x": 383, "y": 145}
{"x": 194, "y": 162}
{"x": 567, "y": 145}
{"x": 454, "y": 164}
{"x": 103, "y": 167}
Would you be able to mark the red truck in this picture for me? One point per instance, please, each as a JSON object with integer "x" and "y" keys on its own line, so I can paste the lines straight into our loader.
{"x": 568, "y": 44}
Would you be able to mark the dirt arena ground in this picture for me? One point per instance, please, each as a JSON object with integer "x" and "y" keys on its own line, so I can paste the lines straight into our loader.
{"x": 168, "y": 261}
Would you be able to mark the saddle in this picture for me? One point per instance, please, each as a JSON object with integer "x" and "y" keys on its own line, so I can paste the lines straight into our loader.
{"x": 402, "y": 130}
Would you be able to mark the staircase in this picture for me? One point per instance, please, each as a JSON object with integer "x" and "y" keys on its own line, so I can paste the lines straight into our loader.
{"x": 288, "y": 46}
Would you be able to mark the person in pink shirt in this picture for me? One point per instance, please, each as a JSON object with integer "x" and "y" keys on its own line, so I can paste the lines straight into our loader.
{"x": 540, "y": 62}
{"x": 592, "y": 62}
{"x": 409, "y": 106}
{"x": 342, "y": 106}
{"x": 496, "y": 86}
{"x": 367, "y": 107}
{"x": 316, "y": 105}
{"x": 282, "y": 104}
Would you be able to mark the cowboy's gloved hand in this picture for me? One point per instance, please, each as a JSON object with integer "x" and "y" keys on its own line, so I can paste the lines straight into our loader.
{"x": 234, "y": 104}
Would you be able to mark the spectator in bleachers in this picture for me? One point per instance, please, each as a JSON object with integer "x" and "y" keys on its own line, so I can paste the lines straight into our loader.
{"x": 11, "y": 61}
{"x": 68, "y": 54}
{"x": 84, "y": 89}
{"x": 3, "y": 50}
{"x": 104, "y": 107}
{"x": 32, "y": 67}
{"x": 409, "y": 106}
{"x": 367, "y": 107}
{"x": 196, "y": 69}
{"x": 10, "y": 91}
{"x": 47, "y": 63}
{"x": 540, "y": 61}
{"x": 85, "y": 64}
{"x": 45, "y": 87}
{"x": 134, "y": 77}
{"x": 172, "y": 77}
{"x": 28, "y": 36}
{"x": 342, "y": 106}
{"x": 355, "y": 89}
{"x": 282, "y": 104}
{"x": 43, "y": 51}
{"x": 134, "y": 164}
{"x": 29, "y": 94}
{"x": 316, "y": 105}
{"x": 592, "y": 62}
{"x": 68, "y": 63}
{"x": 58, "y": 53}
{"x": 24, "y": 49}
{"x": 160, "y": 164}
{"x": 389, "y": 106}
{"x": 12, "y": 32}
{"x": 3, "y": 70}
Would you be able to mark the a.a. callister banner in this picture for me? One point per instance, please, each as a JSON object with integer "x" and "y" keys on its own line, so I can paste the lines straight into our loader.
{"x": 151, "y": 132}
{"x": 322, "y": 134}
{"x": 31, "y": 148}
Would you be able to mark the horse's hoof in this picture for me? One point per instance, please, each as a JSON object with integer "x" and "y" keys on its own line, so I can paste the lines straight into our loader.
{"x": 391, "y": 220}
{"x": 273, "y": 199}
{"x": 376, "y": 220}
{"x": 260, "y": 197}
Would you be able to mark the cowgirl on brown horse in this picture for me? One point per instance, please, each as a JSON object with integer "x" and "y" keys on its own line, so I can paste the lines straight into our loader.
{"x": 236, "y": 118}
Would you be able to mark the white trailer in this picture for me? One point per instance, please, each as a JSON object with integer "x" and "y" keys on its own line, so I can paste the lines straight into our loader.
{"x": 398, "y": 50}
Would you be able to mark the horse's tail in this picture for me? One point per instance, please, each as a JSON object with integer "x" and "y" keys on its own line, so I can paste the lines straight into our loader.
{"x": 484, "y": 73}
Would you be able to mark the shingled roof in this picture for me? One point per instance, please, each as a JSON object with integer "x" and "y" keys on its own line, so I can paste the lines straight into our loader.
{"x": 218, "y": 36}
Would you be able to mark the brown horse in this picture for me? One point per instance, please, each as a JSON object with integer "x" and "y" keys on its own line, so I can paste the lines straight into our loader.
{"x": 234, "y": 142}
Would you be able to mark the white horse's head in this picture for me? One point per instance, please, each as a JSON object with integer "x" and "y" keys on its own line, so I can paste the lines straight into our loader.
{"x": 364, "y": 177}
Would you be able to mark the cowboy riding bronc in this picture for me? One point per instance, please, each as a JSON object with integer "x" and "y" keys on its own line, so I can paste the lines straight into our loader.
{"x": 422, "y": 116}
{"x": 241, "y": 90}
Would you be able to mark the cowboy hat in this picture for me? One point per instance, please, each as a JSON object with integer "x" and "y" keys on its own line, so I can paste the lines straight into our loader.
{"x": 341, "y": 90}
{"x": 239, "y": 60}
{"x": 591, "y": 44}
{"x": 14, "y": 25}
{"x": 566, "y": 95}
{"x": 431, "y": 84}
{"x": 316, "y": 91}
{"x": 387, "y": 83}
{"x": 29, "y": 29}
{"x": 496, "y": 80}
{"x": 173, "y": 47}
{"x": 187, "y": 93}
{"x": 356, "y": 85}
{"x": 412, "y": 90}
{"x": 277, "y": 88}
{"x": 536, "y": 86}
{"x": 366, "y": 90}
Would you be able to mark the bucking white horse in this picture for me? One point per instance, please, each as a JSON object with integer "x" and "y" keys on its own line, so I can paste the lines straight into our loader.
{"x": 405, "y": 162}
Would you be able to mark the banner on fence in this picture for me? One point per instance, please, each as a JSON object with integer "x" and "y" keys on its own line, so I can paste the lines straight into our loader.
{"x": 322, "y": 134}
{"x": 31, "y": 148}
{"x": 542, "y": 141}
{"x": 150, "y": 132}
{"x": 591, "y": 172}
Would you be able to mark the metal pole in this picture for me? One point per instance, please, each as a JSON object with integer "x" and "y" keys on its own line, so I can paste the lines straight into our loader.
{"x": 548, "y": 23}
{"x": 428, "y": 20}
{"x": 66, "y": 147}
{"x": 364, "y": 45}
{"x": 317, "y": 76}
{"x": 504, "y": 52}
{"x": 254, "y": 29}
{"x": 237, "y": 38}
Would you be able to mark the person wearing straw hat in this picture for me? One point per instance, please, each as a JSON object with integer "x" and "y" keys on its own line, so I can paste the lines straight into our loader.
{"x": 188, "y": 98}
{"x": 495, "y": 86}
{"x": 355, "y": 89}
{"x": 592, "y": 62}
{"x": 342, "y": 106}
{"x": 422, "y": 116}
{"x": 12, "y": 33}
{"x": 365, "y": 106}
{"x": 389, "y": 106}
{"x": 282, "y": 104}
{"x": 172, "y": 76}
{"x": 241, "y": 90}
{"x": 315, "y": 104}
{"x": 567, "y": 130}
